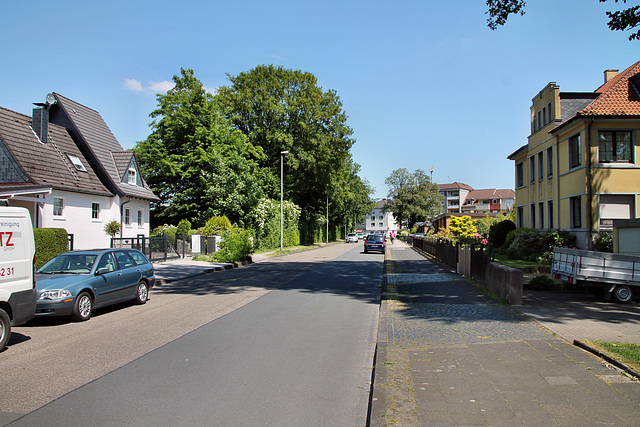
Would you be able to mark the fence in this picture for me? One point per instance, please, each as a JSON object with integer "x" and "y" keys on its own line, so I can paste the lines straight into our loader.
{"x": 155, "y": 248}
{"x": 471, "y": 260}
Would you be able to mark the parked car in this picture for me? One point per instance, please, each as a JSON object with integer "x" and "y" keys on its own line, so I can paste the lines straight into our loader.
{"x": 75, "y": 283}
{"x": 351, "y": 238}
{"x": 17, "y": 265}
{"x": 374, "y": 242}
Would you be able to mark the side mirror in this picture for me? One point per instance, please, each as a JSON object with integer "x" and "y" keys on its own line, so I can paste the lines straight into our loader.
{"x": 101, "y": 271}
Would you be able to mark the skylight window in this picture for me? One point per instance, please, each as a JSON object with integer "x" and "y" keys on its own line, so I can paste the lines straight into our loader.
{"x": 77, "y": 162}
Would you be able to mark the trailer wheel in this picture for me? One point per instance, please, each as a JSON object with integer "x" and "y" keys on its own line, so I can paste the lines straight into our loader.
{"x": 622, "y": 294}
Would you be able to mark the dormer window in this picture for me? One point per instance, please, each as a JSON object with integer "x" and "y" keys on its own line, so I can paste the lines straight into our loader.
{"x": 131, "y": 177}
{"x": 77, "y": 162}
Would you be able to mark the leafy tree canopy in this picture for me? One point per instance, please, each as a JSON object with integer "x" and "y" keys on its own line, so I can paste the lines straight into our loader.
{"x": 194, "y": 160}
{"x": 622, "y": 20}
{"x": 412, "y": 197}
{"x": 279, "y": 109}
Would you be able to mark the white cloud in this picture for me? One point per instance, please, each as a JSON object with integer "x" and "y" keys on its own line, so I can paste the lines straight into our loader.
{"x": 212, "y": 90}
{"x": 133, "y": 85}
{"x": 161, "y": 87}
{"x": 151, "y": 87}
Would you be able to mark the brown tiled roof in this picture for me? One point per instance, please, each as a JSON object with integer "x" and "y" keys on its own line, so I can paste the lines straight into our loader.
{"x": 45, "y": 164}
{"x": 618, "y": 97}
{"x": 102, "y": 144}
{"x": 455, "y": 185}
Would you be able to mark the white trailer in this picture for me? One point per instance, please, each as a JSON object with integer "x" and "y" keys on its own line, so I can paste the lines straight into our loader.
{"x": 617, "y": 274}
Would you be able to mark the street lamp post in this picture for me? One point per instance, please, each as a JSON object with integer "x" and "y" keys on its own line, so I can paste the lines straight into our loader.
{"x": 282, "y": 153}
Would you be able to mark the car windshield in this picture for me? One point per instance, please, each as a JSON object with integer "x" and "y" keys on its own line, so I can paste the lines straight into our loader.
{"x": 372, "y": 238}
{"x": 69, "y": 264}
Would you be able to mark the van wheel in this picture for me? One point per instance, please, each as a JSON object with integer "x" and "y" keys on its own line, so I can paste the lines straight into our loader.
{"x": 82, "y": 308}
{"x": 142, "y": 293}
{"x": 622, "y": 294}
{"x": 5, "y": 329}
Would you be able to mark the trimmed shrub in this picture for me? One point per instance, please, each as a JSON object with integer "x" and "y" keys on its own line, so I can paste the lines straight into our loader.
{"x": 498, "y": 232}
{"x": 49, "y": 243}
{"x": 524, "y": 243}
{"x": 217, "y": 225}
{"x": 235, "y": 245}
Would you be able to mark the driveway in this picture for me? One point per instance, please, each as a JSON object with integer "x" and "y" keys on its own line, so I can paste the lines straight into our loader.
{"x": 582, "y": 316}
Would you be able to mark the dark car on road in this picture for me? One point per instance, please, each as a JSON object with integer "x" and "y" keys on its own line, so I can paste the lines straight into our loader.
{"x": 74, "y": 283}
{"x": 374, "y": 242}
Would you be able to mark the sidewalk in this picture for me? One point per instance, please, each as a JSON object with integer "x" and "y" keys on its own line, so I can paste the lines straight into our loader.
{"x": 448, "y": 355}
{"x": 184, "y": 268}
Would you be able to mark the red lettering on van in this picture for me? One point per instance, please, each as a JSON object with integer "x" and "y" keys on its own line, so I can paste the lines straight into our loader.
{"x": 7, "y": 241}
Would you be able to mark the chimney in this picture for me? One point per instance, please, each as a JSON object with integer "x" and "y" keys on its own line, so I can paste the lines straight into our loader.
{"x": 609, "y": 74}
{"x": 40, "y": 123}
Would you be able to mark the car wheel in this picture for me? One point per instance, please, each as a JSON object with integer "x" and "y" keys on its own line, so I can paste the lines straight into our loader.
{"x": 142, "y": 293}
{"x": 5, "y": 329}
{"x": 622, "y": 294}
{"x": 82, "y": 308}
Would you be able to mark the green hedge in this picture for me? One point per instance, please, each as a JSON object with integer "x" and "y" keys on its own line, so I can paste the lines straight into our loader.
{"x": 49, "y": 243}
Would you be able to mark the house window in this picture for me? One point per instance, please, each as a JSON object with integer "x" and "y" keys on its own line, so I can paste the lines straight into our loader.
{"x": 519, "y": 175}
{"x": 540, "y": 165}
{"x": 576, "y": 212}
{"x": 95, "y": 210}
{"x": 58, "y": 206}
{"x": 373, "y": 218}
{"x": 381, "y": 217}
{"x": 541, "y": 214}
{"x": 550, "y": 161}
{"x": 533, "y": 215}
{"x": 139, "y": 218}
{"x": 520, "y": 216}
{"x": 381, "y": 225}
{"x": 550, "y": 208}
{"x": 549, "y": 112}
{"x": 127, "y": 216}
{"x": 532, "y": 168}
{"x": 77, "y": 162}
{"x": 131, "y": 177}
{"x": 544, "y": 115}
{"x": 539, "y": 120}
{"x": 615, "y": 207}
{"x": 614, "y": 147}
{"x": 574, "y": 151}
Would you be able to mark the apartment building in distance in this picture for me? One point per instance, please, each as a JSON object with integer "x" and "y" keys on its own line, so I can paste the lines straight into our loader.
{"x": 580, "y": 168}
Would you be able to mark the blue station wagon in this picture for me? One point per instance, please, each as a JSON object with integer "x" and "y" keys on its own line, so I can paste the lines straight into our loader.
{"x": 74, "y": 283}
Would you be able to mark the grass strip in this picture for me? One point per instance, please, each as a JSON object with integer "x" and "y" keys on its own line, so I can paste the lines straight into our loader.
{"x": 627, "y": 353}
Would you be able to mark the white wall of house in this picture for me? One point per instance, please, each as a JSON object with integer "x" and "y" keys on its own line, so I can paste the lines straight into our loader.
{"x": 135, "y": 218}
{"x": 85, "y": 216}
{"x": 379, "y": 222}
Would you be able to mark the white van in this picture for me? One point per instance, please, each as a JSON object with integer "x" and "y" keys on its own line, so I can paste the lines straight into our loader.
{"x": 17, "y": 264}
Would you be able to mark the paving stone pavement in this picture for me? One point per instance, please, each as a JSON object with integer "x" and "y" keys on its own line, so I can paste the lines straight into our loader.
{"x": 448, "y": 355}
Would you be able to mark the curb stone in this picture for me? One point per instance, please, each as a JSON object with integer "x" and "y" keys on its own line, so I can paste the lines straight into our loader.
{"x": 607, "y": 358}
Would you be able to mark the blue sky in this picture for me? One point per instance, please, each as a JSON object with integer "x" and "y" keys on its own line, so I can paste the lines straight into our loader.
{"x": 424, "y": 83}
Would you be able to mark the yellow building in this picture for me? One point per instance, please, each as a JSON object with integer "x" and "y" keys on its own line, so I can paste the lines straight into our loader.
{"x": 580, "y": 169}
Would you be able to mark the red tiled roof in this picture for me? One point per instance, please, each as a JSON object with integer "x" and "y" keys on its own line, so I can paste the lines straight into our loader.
{"x": 491, "y": 193}
{"x": 619, "y": 96}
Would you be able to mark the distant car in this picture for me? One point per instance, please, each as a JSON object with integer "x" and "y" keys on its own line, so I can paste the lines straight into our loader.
{"x": 352, "y": 238}
{"x": 374, "y": 242}
{"x": 360, "y": 236}
{"x": 75, "y": 283}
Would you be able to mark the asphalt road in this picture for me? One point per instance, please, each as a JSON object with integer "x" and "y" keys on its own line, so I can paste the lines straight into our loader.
{"x": 284, "y": 342}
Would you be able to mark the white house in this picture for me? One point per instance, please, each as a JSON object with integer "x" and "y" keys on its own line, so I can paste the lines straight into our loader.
{"x": 67, "y": 168}
{"x": 379, "y": 221}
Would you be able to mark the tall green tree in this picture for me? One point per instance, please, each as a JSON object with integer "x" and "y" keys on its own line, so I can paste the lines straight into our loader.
{"x": 195, "y": 161}
{"x": 412, "y": 197}
{"x": 279, "y": 109}
{"x": 622, "y": 20}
